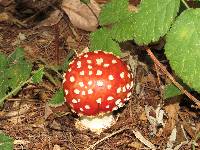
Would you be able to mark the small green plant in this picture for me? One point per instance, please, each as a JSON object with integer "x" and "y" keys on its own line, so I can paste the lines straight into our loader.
{"x": 153, "y": 20}
{"x": 16, "y": 72}
{"x": 58, "y": 98}
{"x": 6, "y": 142}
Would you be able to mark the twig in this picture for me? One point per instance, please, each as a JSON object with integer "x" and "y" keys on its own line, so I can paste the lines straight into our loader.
{"x": 186, "y": 5}
{"x": 180, "y": 87}
{"x": 141, "y": 138}
{"x": 105, "y": 138}
{"x": 158, "y": 77}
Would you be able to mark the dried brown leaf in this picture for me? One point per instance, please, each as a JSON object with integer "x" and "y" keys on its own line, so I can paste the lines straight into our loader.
{"x": 55, "y": 125}
{"x": 172, "y": 112}
{"x": 48, "y": 111}
{"x": 53, "y": 19}
{"x": 81, "y": 15}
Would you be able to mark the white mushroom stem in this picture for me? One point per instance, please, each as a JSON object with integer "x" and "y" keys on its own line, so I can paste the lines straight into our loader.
{"x": 96, "y": 124}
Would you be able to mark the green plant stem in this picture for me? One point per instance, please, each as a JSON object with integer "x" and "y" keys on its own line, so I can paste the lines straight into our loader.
{"x": 186, "y": 5}
{"x": 15, "y": 90}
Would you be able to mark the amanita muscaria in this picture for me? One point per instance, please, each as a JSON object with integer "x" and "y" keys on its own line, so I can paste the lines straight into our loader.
{"x": 96, "y": 84}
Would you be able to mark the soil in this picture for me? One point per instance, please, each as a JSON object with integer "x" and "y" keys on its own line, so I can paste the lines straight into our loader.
{"x": 35, "y": 126}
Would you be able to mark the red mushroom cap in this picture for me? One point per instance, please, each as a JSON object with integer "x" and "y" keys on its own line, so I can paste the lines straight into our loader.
{"x": 97, "y": 82}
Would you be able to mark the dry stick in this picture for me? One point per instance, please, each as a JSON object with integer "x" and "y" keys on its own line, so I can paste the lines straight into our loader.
{"x": 158, "y": 77}
{"x": 105, "y": 138}
{"x": 180, "y": 87}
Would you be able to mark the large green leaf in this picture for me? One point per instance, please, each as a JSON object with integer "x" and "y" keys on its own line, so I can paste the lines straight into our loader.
{"x": 18, "y": 73}
{"x": 183, "y": 47}
{"x": 13, "y": 74}
{"x": 18, "y": 70}
{"x": 3, "y": 85}
{"x": 101, "y": 40}
{"x": 3, "y": 80}
{"x": 154, "y": 19}
{"x": 3, "y": 62}
{"x": 113, "y": 11}
{"x": 123, "y": 30}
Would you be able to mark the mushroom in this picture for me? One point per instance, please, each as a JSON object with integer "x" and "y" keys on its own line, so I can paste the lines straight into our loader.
{"x": 96, "y": 84}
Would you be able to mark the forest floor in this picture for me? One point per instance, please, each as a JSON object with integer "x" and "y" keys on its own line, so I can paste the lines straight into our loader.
{"x": 147, "y": 120}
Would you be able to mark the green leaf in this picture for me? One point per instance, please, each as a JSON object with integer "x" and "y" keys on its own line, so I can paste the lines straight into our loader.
{"x": 18, "y": 73}
{"x": 101, "y": 40}
{"x": 37, "y": 76}
{"x": 3, "y": 80}
{"x": 123, "y": 30}
{"x": 6, "y": 142}
{"x": 183, "y": 47}
{"x": 154, "y": 19}
{"x": 3, "y": 86}
{"x": 3, "y": 62}
{"x": 57, "y": 99}
{"x": 170, "y": 91}
{"x": 16, "y": 56}
{"x": 114, "y": 11}
{"x": 14, "y": 73}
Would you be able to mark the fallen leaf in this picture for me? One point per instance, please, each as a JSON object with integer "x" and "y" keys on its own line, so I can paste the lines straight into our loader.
{"x": 71, "y": 42}
{"x": 53, "y": 19}
{"x": 55, "y": 125}
{"x": 48, "y": 111}
{"x": 81, "y": 15}
{"x": 172, "y": 113}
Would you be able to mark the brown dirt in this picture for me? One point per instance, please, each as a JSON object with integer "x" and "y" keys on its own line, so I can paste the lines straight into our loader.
{"x": 27, "y": 118}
